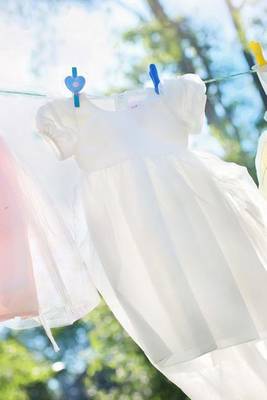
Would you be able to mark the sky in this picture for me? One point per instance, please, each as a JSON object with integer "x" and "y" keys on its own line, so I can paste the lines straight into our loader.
{"x": 38, "y": 54}
{"x": 41, "y": 41}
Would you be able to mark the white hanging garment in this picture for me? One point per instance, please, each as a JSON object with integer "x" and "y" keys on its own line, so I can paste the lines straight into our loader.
{"x": 261, "y": 157}
{"x": 261, "y": 163}
{"x": 180, "y": 236}
{"x": 262, "y": 74}
{"x": 43, "y": 279}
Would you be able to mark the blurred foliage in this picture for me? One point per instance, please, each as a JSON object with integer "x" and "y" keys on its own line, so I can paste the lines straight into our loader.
{"x": 22, "y": 377}
{"x": 120, "y": 370}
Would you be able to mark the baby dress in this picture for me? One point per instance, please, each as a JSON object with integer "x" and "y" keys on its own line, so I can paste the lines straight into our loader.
{"x": 181, "y": 236}
{"x": 43, "y": 280}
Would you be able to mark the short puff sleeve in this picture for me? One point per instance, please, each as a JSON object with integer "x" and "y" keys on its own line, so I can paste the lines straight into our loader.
{"x": 56, "y": 123}
{"x": 186, "y": 96}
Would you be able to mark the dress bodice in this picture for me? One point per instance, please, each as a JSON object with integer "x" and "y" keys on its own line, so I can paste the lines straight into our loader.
{"x": 131, "y": 124}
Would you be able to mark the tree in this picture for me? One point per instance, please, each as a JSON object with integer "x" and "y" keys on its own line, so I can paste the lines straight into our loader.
{"x": 119, "y": 370}
{"x": 22, "y": 376}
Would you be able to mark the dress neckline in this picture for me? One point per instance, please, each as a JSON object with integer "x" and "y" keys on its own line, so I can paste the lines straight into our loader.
{"x": 148, "y": 93}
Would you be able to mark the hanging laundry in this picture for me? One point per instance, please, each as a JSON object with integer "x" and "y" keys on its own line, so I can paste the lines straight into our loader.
{"x": 17, "y": 286}
{"x": 43, "y": 279}
{"x": 261, "y": 156}
{"x": 261, "y": 63}
{"x": 262, "y": 74}
{"x": 261, "y": 163}
{"x": 180, "y": 235}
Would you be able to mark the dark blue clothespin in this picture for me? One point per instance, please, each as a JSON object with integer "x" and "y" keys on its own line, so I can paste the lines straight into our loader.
{"x": 75, "y": 84}
{"x": 153, "y": 73}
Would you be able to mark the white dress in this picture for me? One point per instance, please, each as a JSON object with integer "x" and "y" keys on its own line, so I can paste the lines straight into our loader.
{"x": 180, "y": 236}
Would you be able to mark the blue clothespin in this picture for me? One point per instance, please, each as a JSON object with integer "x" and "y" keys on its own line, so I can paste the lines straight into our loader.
{"x": 75, "y": 84}
{"x": 153, "y": 73}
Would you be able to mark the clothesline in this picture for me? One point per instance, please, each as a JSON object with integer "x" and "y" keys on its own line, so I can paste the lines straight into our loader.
{"x": 223, "y": 78}
{"x": 212, "y": 80}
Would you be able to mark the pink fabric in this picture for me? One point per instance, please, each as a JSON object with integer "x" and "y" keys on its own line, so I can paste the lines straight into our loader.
{"x": 17, "y": 288}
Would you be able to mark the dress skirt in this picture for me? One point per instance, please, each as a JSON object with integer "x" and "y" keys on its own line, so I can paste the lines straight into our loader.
{"x": 182, "y": 247}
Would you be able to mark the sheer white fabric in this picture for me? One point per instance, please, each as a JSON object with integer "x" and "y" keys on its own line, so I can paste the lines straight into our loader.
{"x": 43, "y": 278}
{"x": 180, "y": 236}
{"x": 261, "y": 163}
{"x": 262, "y": 74}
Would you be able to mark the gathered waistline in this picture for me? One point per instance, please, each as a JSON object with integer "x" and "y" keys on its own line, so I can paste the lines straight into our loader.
{"x": 136, "y": 158}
